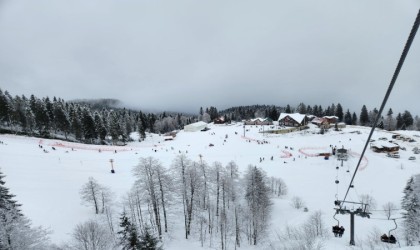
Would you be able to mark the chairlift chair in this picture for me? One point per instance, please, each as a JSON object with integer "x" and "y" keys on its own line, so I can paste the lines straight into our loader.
{"x": 391, "y": 239}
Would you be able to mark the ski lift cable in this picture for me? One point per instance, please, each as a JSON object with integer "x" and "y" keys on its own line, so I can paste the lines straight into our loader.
{"x": 391, "y": 85}
{"x": 386, "y": 219}
{"x": 383, "y": 210}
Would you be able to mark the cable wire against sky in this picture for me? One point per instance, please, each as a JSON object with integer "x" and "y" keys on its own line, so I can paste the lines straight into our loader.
{"x": 391, "y": 85}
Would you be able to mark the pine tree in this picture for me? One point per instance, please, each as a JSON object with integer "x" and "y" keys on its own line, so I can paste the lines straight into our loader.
{"x": 99, "y": 126}
{"x": 309, "y": 110}
{"x": 411, "y": 204}
{"x": 148, "y": 241}
{"x": 15, "y": 228}
{"x": 339, "y": 112}
{"x": 5, "y": 108}
{"x": 364, "y": 116}
{"x": 400, "y": 121}
{"x": 128, "y": 235}
{"x": 407, "y": 118}
{"x": 6, "y": 199}
{"x": 76, "y": 126}
{"x": 347, "y": 118}
{"x": 18, "y": 113}
{"x": 354, "y": 119}
{"x": 61, "y": 119}
{"x": 301, "y": 109}
{"x": 316, "y": 111}
{"x": 389, "y": 120}
{"x": 328, "y": 111}
{"x": 88, "y": 126}
{"x": 114, "y": 126}
{"x": 288, "y": 109}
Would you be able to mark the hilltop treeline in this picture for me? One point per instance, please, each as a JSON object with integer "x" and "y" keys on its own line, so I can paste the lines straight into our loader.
{"x": 102, "y": 121}
{"x": 364, "y": 117}
{"x": 80, "y": 121}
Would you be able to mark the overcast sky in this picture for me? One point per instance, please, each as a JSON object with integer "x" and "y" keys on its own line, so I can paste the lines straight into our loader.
{"x": 179, "y": 55}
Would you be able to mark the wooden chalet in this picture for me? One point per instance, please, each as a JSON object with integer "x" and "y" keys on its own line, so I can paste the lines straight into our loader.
{"x": 321, "y": 122}
{"x": 292, "y": 120}
{"x": 383, "y": 146}
{"x": 331, "y": 119}
{"x": 219, "y": 120}
{"x": 259, "y": 121}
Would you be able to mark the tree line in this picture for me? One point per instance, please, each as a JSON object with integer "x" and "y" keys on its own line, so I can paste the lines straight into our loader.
{"x": 80, "y": 122}
{"x": 388, "y": 121}
{"x": 100, "y": 123}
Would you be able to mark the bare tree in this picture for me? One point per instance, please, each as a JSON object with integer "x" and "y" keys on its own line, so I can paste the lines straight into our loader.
{"x": 308, "y": 236}
{"x": 389, "y": 209}
{"x": 90, "y": 193}
{"x": 190, "y": 181}
{"x": 91, "y": 236}
{"x": 164, "y": 182}
{"x": 315, "y": 226}
{"x": 297, "y": 202}
{"x": 146, "y": 174}
{"x": 257, "y": 198}
{"x": 369, "y": 200}
{"x": 96, "y": 195}
{"x": 278, "y": 186}
{"x": 180, "y": 164}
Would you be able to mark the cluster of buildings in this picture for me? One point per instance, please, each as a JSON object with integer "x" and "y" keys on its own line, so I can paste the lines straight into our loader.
{"x": 297, "y": 120}
{"x": 285, "y": 120}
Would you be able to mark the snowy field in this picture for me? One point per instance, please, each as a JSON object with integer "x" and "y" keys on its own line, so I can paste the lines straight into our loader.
{"x": 48, "y": 184}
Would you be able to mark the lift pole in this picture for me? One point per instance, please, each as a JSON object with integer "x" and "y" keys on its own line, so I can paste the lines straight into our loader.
{"x": 352, "y": 229}
{"x": 362, "y": 212}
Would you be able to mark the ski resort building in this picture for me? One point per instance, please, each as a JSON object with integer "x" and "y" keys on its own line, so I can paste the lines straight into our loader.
{"x": 194, "y": 127}
{"x": 384, "y": 146}
{"x": 321, "y": 122}
{"x": 331, "y": 119}
{"x": 292, "y": 120}
{"x": 259, "y": 121}
{"x": 219, "y": 120}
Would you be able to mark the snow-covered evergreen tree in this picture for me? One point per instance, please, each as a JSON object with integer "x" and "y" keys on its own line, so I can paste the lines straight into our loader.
{"x": 389, "y": 120}
{"x": 148, "y": 241}
{"x": 15, "y": 229}
{"x": 339, "y": 112}
{"x": 411, "y": 204}
{"x": 347, "y": 118}
{"x": 364, "y": 116}
{"x": 128, "y": 235}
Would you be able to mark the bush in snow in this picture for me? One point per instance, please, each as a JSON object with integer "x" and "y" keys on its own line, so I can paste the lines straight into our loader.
{"x": 91, "y": 236}
{"x": 308, "y": 236}
{"x": 297, "y": 202}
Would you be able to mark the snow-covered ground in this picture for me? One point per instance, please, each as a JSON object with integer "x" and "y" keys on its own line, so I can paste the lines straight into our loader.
{"x": 48, "y": 184}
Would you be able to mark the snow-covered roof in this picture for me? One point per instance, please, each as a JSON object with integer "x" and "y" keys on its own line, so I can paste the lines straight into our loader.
{"x": 259, "y": 119}
{"x": 384, "y": 144}
{"x": 197, "y": 124}
{"x": 330, "y": 117}
{"x": 295, "y": 116}
{"x": 319, "y": 120}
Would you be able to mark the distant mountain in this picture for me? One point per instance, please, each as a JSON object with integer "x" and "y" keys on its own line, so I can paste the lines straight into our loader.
{"x": 100, "y": 103}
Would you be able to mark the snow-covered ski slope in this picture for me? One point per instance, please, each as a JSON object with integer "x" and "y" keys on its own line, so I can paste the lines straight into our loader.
{"x": 48, "y": 184}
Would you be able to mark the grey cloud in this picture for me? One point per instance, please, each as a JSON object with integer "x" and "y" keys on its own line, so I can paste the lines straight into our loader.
{"x": 181, "y": 55}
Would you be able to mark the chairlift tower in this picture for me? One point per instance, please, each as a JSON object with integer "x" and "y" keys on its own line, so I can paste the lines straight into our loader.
{"x": 361, "y": 211}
